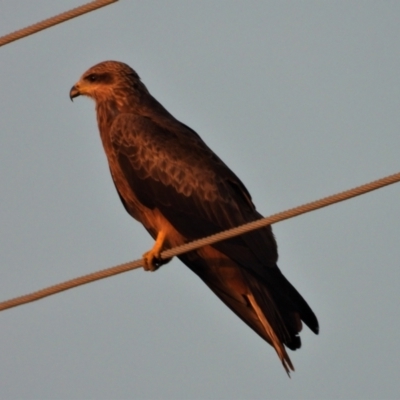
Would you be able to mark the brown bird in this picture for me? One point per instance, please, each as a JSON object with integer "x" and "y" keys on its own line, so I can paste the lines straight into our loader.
{"x": 171, "y": 182}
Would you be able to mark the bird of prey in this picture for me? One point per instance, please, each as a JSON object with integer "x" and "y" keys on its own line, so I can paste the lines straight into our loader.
{"x": 180, "y": 190}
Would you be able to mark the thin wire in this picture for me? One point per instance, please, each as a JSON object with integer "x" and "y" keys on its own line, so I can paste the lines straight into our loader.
{"x": 57, "y": 19}
{"x": 293, "y": 212}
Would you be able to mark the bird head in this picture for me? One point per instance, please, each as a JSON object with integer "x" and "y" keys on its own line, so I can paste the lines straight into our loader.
{"x": 105, "y": 80}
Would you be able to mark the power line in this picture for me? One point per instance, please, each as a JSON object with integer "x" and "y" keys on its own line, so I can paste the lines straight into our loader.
{"x": 293, "y": 212}
{"x": 57, "y": 19}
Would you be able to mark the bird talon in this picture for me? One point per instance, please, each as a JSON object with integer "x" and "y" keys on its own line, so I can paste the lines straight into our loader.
{"x": 153, "y": 261}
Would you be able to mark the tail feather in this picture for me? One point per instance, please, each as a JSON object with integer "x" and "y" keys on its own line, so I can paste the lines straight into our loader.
{"x": 274, "y": 339}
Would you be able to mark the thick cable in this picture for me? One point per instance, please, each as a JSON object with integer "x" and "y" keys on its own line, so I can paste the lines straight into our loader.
{"x": 281, "y": 216}
{"x": 57, "y": 19}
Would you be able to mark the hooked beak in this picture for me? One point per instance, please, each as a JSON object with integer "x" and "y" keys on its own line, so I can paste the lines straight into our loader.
{"x": 74, "y": 92}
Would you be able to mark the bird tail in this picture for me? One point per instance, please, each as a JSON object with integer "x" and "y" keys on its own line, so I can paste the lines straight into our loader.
{"x": 273, "y": 315}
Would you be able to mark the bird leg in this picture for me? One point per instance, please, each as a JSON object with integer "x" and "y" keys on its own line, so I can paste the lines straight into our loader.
{"x": 152, "y": 258}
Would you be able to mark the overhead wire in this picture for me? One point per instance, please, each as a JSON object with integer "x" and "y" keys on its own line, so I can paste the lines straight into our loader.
{"x": 57, "y": 19}
{"x": 207, "y": 241}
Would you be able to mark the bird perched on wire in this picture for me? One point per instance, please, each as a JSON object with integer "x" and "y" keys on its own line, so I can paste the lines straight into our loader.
{"x": 171, "y": 182}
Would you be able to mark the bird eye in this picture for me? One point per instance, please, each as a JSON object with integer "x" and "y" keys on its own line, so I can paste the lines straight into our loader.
{"x": 92, "y": 78}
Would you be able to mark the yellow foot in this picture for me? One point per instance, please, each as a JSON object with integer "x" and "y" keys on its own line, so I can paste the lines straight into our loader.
{"x": 152, "y": 260}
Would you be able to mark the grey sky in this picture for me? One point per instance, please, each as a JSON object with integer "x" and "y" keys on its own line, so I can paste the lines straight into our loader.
{"x": 301, "y": 100}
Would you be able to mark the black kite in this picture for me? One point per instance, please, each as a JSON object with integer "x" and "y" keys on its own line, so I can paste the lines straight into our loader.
{"x": 170, "y": 181}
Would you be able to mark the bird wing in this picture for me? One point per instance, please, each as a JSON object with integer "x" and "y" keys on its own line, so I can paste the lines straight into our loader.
{"x": 170, "y": 168}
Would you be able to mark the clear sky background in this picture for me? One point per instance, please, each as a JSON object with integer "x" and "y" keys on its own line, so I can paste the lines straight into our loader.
{"x": 301, "y": 99}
